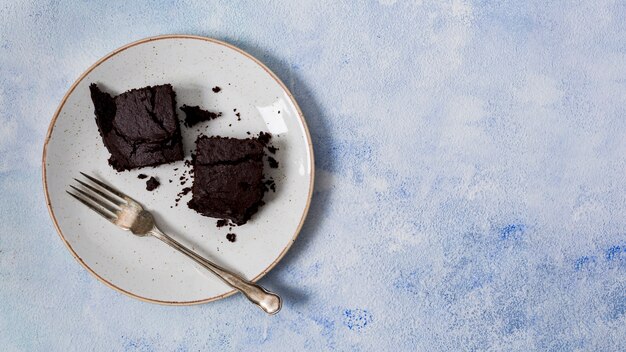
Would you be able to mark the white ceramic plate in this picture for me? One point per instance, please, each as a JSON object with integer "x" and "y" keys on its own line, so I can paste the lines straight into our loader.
{"x": 145, "y": 268}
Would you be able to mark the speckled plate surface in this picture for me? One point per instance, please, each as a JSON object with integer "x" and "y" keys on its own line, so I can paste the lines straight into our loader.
{"x": 144, "y": 267}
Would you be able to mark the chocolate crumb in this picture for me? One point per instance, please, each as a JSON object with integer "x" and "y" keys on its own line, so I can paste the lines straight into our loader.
{"x": 231, "y": 237}
{"x": 181, "y": 194}
{"x": 221, "y": 223}
{"x": 195, "y": 115}
{"x": 142, "y": 176}
{"x": 152, "y": 184}
{"x": 248, "y": 132}
{"x": 272, "y": 149}
{"x": 270, "y": 185}
{"x": 264, "y": 137}
{"x": 216, "y": 89}
{"x": 273, "y": 162}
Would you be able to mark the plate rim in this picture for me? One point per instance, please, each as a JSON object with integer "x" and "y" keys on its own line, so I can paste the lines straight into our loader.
{"x": 147, "y": 40}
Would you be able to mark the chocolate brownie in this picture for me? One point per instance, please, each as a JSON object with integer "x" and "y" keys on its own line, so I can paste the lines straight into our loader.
{"x": 228, "y": 178}
{"x": 194, "y": 115}
{"x": 139, "y": 127}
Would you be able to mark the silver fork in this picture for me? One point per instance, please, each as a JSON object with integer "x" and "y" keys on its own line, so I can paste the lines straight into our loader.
{"x": 128, "y": 214}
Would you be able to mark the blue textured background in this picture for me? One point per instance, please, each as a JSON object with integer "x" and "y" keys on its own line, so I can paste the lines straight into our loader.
{"x": 470, "y": 193}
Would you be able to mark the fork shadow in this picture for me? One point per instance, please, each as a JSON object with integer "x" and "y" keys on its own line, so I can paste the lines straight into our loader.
{"x": 189, "y": 242}
{"x": 322, "y": 139}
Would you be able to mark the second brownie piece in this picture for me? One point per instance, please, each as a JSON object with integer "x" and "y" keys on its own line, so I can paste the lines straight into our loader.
{"x": 228, "y": 178}
{"x": 139, "y": 127}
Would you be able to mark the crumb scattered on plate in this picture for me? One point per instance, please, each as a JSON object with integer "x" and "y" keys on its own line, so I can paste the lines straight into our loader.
{"x": 264, "y": 137}
{"x": 270, "y": 184}
{"x": 195, "y": 115}
{"x": 152, "y": 184}
{"x": 273, "y": 163}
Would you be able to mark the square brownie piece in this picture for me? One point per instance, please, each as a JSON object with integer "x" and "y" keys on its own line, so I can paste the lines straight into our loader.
{"x": 228, "y": 178}
{"x": 139, "y": 127}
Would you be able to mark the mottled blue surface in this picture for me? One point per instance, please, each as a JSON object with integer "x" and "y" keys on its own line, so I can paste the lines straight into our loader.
{"x": 470, "y": 195}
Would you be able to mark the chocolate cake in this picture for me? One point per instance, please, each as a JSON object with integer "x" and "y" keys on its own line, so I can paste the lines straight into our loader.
{"x": 139, "y": 127}
{"x": 228, "y": 178}
{"x": 195, "y": 115}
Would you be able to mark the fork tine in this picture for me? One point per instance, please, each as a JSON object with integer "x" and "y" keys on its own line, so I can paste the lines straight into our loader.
{"x": 105, "y": 186}
{"x": 98, "y": 210}
{"x": 96, "y": 200}
{"x": 100, "y": 193}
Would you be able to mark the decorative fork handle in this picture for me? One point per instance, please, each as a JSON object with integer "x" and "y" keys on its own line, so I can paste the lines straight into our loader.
{"x": 268, "y": 301}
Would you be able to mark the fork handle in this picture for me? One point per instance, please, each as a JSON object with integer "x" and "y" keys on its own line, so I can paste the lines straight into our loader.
{"x": 268, "y": 301}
